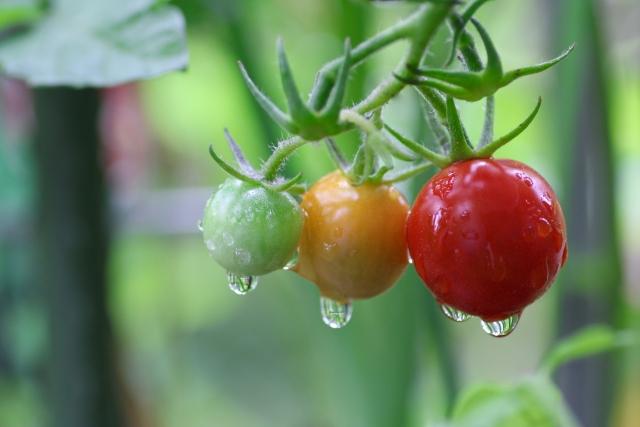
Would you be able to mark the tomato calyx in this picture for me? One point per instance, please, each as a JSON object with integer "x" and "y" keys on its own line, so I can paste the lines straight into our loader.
{"x": 474, "y": 85}
{"x": 246, "y": 172}
{"x": 311, "y": 121}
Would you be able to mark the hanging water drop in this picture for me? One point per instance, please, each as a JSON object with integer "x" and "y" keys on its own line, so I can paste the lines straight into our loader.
{"x": 335, "y": 314}
{"x": 241, "y": 284}
{"x": 454, "y": 314}
{"x": 292, "y": 262}
{"x": 409, "y": 258}
{"x": 200, "y": 227}
{"x": 501, "y": 328}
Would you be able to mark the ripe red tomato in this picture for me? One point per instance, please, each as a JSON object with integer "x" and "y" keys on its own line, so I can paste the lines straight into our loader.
{"x": 487, "y": 237}
{"x": 353, "y": 239}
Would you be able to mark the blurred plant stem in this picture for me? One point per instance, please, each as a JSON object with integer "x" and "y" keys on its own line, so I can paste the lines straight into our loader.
{"x": 591, "y": 284}
{"x": 73, "y": 248}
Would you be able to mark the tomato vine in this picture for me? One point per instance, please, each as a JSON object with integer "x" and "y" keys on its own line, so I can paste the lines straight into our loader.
{"x": 323, "y": 115}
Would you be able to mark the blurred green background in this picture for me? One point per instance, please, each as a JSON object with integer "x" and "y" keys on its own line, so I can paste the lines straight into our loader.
{"x": 188, "y": 352}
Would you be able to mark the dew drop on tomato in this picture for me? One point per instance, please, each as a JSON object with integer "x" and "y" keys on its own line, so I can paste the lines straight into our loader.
{"x": 454, "y": 314}
{"x": 241, "y": 284}
{"x": 335, "y": 314}
{"x": 500, "y": 328}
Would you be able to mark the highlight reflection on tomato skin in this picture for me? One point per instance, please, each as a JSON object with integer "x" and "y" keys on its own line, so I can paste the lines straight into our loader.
{"x": 487, "y": 236}
{"x": 353, "y": 240}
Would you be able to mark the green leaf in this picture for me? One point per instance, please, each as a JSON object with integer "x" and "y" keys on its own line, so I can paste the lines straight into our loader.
{"x": 587, "y": 342}
{"x": 81, "y": 43}
{"x": 533, "y": 402}
{"x": 17, "y": 12}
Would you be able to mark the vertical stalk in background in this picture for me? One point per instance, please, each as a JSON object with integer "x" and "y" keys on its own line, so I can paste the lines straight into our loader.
{"x": 73, "y": 252}
{"x": 591, "y": 284}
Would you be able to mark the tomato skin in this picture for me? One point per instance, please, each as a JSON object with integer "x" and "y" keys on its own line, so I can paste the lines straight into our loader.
{"x": 487, "y": 236}
{"x": 249, "y": 229}
{"x": 353, "y": 242}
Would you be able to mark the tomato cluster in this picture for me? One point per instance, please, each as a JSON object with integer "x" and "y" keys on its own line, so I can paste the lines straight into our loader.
{"x": 487, "y": 236}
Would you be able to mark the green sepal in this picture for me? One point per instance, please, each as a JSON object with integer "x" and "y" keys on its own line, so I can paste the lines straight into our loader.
{"x": 286, "y": 185}
{"x": 302, "y": 119}
{"x": 435, "y": 158}
{"x": 407, "y": 173}
{"x": 489, "y": 149}
{"x": 459, "y": 23}
{"x": 331, "y": 110}
{"x": 534, "y": 69}
{"x": 267, "y": 105}
{"x": 336, "y": 155}
{"x": 238, "y": 155}
{"x": 298, "y": 111}
{"x": 231, "y": 170}
{"x": 357, "y": 166}
{"x": 477, "y": 84}
{"x": 492, "y": 73}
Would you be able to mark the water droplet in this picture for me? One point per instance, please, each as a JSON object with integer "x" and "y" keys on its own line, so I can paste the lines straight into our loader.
{"x": 241, "y": 284}
{"x": 501, "y": 328}
{"x": 292, "y": 262}
{"x": 409, "y": 259}
{"x": 242, "y": 256}
{"x": 200, "y": 227}
{"x": 544, "y": 227}
{"x": 335, "y": 314}
{"x": 454, "y": 314}
{"x": 528, "y": 181}
{"x": 210, "y": 245}
{"x": 227, "y": 238}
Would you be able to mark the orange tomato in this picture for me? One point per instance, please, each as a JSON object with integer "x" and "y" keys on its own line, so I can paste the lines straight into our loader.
{"x": 353, "y": 240}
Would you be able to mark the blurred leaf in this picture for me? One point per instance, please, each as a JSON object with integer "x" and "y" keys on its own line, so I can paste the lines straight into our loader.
{"x": 587, "y": 342}
{"x": 15, "y": 12}
{"x": 533, "y": 402}
{"x": 82, "y": 43}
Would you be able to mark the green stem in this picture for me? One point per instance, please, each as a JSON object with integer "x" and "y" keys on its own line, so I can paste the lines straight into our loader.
{"x": 459, "y": 147}
{"x": 283, "y": 150}
{"x": 327, "y": 74}
{"x": 420, "y": 27}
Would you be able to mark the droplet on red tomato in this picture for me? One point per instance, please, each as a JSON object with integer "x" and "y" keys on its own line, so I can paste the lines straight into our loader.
{"x": 501, "y": 328}
{"x": 546, "y": 201}
{"x": 529, "y": 233}
{"x": 454, "y": 314}
{"x": 544, "y": 227}
{"x": 438, "y": 219}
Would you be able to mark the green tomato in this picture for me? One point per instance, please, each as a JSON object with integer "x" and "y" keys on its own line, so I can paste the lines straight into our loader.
{"x": 249, "y": 229}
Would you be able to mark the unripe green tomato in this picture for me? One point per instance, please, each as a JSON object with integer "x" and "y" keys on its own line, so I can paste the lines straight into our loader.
{"x": 249, "y": 229}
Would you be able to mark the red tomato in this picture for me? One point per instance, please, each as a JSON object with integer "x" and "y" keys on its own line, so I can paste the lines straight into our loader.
{"x": 487, "y": 237}
{"x": 353, "y": 239}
